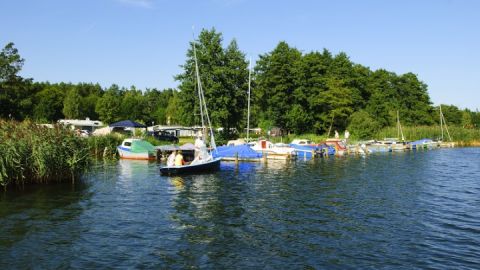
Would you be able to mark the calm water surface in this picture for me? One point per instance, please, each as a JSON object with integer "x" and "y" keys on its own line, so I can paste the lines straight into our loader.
{"x": 402, "y": 210}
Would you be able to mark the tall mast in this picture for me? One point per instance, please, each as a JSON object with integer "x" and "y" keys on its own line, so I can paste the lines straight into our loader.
{"x": 199, "y": 85}
{"x": 399, "y": 127}
{"x": 441, "y": 120}
{"x": 248, "y": 102}
{"x": 446, "y": 127}
{"x": 203, "y": 104}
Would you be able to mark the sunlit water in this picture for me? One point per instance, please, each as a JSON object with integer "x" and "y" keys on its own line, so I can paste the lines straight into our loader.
{"x": 400, "y": 210}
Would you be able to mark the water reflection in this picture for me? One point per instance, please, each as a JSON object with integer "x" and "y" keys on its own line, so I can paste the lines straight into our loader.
{"x": 409, "y": 210}
{"x": 39, "y": 220}
{"x": 208, "y": 210}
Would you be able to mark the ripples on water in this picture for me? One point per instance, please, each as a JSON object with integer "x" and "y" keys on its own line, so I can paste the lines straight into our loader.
{"x": 401, "y": 210}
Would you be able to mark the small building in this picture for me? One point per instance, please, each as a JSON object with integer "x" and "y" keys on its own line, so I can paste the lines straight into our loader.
{"x": 86, "y": 124}
{"x": 178, "y": 131}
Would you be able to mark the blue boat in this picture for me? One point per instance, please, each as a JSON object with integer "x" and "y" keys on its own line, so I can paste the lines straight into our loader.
{"x": 306, "y": 151}
{"x": 424, "y": 143}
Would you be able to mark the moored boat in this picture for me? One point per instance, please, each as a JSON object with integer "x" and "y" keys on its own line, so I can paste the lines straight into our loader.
{"x": 136, "y": 149}
{"x": 203, "y": 167}
{"x": 339, "y": 145}
{"x": 237, "y": 153}
{"x": 273, "y": 151}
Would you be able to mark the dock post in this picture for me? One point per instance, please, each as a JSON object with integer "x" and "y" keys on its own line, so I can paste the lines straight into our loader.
{"x": 236, "y": 157}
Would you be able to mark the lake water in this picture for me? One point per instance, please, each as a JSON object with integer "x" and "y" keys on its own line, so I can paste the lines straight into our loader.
{"x": 394, "y": 210}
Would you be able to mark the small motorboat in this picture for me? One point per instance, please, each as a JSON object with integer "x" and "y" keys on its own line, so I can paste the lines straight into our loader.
{"x": 339, "y": 145}
{"x": 136, "y": 149}
{"x": 207, "y": 166}
{"x": 273, "y": 151}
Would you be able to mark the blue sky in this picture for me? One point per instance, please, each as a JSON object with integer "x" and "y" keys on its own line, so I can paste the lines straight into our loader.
{"x": 143, "y": 42}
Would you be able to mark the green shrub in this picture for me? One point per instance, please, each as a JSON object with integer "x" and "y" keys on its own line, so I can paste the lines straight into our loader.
{"x": 362, "y": 125}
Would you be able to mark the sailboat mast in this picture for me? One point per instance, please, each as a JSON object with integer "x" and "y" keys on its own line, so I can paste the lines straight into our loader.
{"x": 199, "y": 85}
{"x": 399, "y": 127}
{"x": 248, "y": 102}
{"x": 441, "y": 120}
{"x": 446, "y": 127}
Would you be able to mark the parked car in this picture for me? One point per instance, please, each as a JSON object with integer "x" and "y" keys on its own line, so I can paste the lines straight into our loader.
{"x": 163, "y": 136}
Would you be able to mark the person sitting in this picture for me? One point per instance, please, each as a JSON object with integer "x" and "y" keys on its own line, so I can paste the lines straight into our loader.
{"x": 171, "y": 159}
{"x": 179, "y": 159}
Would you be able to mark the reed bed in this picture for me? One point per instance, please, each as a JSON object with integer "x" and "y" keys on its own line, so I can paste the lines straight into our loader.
{"x": 104, "y": 146}
{"x": 463, "y": 136}
{"x": 30, "y": 153}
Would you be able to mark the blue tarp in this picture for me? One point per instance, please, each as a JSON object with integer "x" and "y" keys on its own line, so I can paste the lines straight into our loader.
{"x": 127, "y": 123}
{"x": 243, "y": 151}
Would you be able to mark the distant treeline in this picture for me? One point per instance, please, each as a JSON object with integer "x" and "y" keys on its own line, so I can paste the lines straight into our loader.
{"x": 298, "y": 92}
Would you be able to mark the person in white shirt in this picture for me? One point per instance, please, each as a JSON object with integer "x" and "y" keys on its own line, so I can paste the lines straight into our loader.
{"x": 171, "y": 159}
{"x": 347, "y": 135}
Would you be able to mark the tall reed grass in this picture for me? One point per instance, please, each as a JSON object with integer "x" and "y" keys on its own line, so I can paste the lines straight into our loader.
{"x": 463, "y": 136}
{"x": 104, "y": 146}
{"x": 34, "y": 154}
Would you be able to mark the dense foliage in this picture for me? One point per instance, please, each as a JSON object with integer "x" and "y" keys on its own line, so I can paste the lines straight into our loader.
{"x": 314, "y": 92}
{"x": 224, "y": 79}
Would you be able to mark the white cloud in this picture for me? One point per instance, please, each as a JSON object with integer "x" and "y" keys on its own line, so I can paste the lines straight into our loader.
{"x": 138, "y": 3}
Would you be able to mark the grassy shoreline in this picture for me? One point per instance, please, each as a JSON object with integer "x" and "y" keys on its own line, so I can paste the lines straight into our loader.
{"x": 35, "y": 154}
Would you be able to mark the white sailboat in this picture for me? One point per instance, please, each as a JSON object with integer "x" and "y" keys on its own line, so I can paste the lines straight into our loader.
{"x": 443, "y": 124}
{"x": 204, "y": 160}
{"x": 396, "y": 145}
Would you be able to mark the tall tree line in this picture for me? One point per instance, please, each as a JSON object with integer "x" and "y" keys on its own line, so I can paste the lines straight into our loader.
{"x": 311, "y": 92}
{"x": 46, "y": 102}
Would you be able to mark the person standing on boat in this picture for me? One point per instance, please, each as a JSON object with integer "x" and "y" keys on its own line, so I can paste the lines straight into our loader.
{"x": 347, "y": 135}
{"x": 200, "y": 149}
{"x": 171, "y": 159}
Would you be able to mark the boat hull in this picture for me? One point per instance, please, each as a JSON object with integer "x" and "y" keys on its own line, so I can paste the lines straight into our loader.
{"x": 126, "y": 154}
{"x": 210, "y": 166}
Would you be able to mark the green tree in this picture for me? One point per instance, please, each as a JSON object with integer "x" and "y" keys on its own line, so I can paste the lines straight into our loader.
{"x": 224, "y": 76}
{"x": 413, "y": 100}
{"x": 155, "y": 105}
{"x": 363, "y": 125}
{"x": 108, "y": 106}
{"x": 275, "y": 83}
{"x": 452, "y": 114}
{"x": 132, "y": 105}
{"x": 171, "y": 112}
{"x": 10, "y": 63}
{"x": 50, "y": 104}
{"x": 15, "y": 94}
{"x": 71, "y": 104}
{"x": 89, "y": 95}
{"x": 235, "y": 85}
